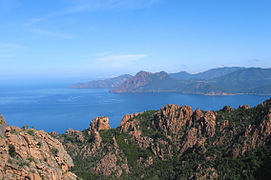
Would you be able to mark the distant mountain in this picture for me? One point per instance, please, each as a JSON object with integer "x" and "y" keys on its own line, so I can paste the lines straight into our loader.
{"x": 206, "y": 75}
{"x": 219, "y": 81}
{"x": 242, "y": 81}
{"x": 182, "y": 75}
{"x": 249, "y": 80}
{"x": 150, "y": 82}
{"x": 106, "y": 83}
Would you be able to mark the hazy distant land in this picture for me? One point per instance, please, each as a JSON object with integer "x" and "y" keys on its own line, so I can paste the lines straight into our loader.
{"x": 218, "y": 81}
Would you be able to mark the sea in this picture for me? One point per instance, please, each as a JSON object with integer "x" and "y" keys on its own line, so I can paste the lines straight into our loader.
{"x": 55, "y": 108}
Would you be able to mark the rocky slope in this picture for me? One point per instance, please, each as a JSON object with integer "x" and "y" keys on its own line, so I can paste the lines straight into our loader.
{"x": 31, "y": 154}
{"x": 176, "y": 143}
{"x": 106, "y": 83}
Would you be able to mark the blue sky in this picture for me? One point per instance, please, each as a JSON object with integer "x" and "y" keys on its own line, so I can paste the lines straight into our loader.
{"x": 78, "y": 40}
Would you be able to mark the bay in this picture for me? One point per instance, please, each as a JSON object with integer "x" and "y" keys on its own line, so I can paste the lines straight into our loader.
{"x": 57, "y": 108}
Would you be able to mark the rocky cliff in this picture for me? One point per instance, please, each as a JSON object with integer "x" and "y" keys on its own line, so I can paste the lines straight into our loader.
{"x": 140, "y": 80}
{"x": 176, "y": 142}
{"x": 31, "y": 154}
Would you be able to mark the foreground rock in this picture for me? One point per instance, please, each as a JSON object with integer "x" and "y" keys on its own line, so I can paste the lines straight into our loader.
{"x": 32, "y": 154}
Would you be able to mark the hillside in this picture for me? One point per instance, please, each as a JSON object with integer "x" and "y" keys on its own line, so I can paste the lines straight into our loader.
{"x": 30, "y": 154}
{"x": 206, "y": 75}
{"x": 147, "y": 82}
{"x": 250, "y": 80}
{"x": 162, "y": 82}
{"x": 175, "y": 143}
{"x": 242, "y": 81}
{"x": 106, "y": 83}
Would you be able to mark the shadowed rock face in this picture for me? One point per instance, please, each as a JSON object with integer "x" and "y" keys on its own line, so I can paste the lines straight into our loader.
{"x": 3, "y": 126}
{"x": 32, "y": 154}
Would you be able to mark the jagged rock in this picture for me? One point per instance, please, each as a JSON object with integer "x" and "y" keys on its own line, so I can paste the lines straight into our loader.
{"x": 32, "y": 154}
{"x": 175, "y": 132}
{"x": 77, "y": 134}
{"x": 127, "y": 117}
{"x": 227, "y": 109}
{"x": 198, "y": 114}
{"x": 209, "y": 123}
{"x": 100, "y": 123}
{"x": 108, "y": 165}
{"x": 172, "y": 118}
{"x": 244, "y": 106}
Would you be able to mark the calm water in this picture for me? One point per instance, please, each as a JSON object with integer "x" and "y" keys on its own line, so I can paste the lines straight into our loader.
{"x": 57, "y": 109}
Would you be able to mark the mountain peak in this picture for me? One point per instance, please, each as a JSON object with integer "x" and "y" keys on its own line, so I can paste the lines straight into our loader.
{"x": 143, "y": 73}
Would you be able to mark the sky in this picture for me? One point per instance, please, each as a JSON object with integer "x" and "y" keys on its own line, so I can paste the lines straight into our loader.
{"x": 79, "y": 40}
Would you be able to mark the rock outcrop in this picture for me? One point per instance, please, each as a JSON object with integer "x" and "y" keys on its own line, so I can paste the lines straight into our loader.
{"x": 3, "y": 126}
{"x": 34, "y": 155}
{"x": 92, "y": 143}
{"x": 176, "y": 143}
{"x": 100, "y": 123}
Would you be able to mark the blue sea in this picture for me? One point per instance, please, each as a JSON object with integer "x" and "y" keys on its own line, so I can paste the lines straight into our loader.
{"x": 59, "y": 108}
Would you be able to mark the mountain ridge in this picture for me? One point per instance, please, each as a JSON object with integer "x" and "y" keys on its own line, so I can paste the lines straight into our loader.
{"x": 206, "y": 75}
{"x": 242, "y": 81}
{"x": 217, "y": 81}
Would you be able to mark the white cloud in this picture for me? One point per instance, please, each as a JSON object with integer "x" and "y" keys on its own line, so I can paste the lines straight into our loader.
{"x": 10, "y": 45}
{"x": 80, "y": 6}
{"x": 52, "y": 34}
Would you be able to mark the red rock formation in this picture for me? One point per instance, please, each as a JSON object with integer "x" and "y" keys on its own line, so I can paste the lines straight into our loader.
{"x": 100, "y": 123}
{"x": 139, "y": 80}
{"x": 172, "y": 118}
{"x": 127, "y": 117}
{"x": 34, "y": 155}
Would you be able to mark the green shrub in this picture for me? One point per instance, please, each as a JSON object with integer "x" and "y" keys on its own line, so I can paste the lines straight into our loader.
{"x": 24, "y": 127}
{"x": 23, "y": 163}
{"x": 13, "y": 131}
{"x": 54, "y": 151}
{"x": 11, "y": 150}
{"x": 31, "y": 132}
{"x": 9, "y": 161}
